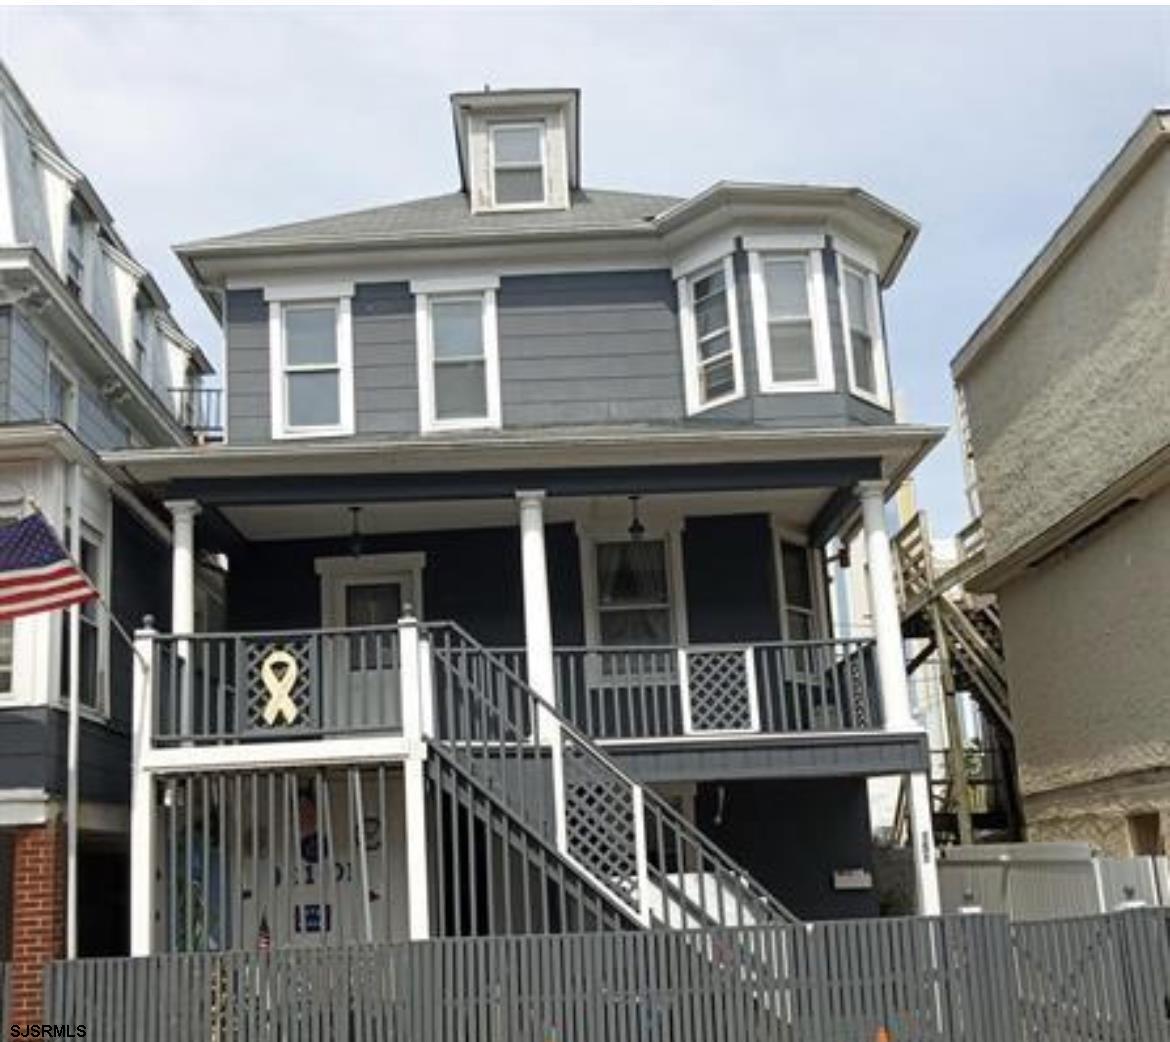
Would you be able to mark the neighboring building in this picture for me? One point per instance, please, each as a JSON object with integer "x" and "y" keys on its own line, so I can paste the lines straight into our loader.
{"x": 90, "y": 360}
{"x": 1065, "y": 388}
{"x": 596, "y": 442}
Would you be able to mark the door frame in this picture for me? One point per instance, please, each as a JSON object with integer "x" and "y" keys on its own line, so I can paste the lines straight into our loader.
{"x": 337, "y": 574}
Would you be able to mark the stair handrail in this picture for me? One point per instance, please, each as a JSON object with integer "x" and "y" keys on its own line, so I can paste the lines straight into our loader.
{"x": 538, "y": 705}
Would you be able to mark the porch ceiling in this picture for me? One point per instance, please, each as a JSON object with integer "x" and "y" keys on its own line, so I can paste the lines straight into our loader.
{"x": 796, "y": 508}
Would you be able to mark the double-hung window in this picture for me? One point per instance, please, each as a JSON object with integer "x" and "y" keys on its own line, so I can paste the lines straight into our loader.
{"x": 142, "y": 316}
{"x": 791, "y": 321}
{"x": 91, "y": 643}
{"x": 633, "y": 593}
{"x": 459, "y": 379}
{"x": 312, "y": 387}
{"x": 518, "y": 164}
{"x": 61, "y": 404}
{"x": 75, "y": 251}
{"x": 865, "y": 351}
{"x": 711, "y": 337}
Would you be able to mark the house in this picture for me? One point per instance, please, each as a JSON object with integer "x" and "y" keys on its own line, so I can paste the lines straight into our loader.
{"x": 1064, "y": 386}
{"x": 91, "y": 360}
{"x": 521, "y": 507}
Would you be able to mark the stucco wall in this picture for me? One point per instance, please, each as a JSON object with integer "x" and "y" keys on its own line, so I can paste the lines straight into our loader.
{"x": 1086, "y": 639}
{"x": 1074, "y": 392}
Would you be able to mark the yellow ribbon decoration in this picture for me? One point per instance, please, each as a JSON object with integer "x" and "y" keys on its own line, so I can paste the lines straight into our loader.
{"x": 279, "y": 686}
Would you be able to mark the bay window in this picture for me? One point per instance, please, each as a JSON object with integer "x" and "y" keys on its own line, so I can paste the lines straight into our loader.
{"x": 865, "y": 353}
{"x": 710, "y": 330}
{"x": 458, "y": 360}
{"x": 790, "y": 320}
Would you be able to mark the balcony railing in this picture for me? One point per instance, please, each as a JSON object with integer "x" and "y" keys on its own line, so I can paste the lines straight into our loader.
{"x": 217, "y": 687}
{"x": 697, "y": 691}
{"x": 200, "y": 410}
{"x": 227, "y": 687}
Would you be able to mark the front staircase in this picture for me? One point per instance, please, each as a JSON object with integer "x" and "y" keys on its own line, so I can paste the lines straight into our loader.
{"x": 535, "y": 829}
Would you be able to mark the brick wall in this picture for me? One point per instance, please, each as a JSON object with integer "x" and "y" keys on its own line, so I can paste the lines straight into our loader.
{"x": 38, "y": 914}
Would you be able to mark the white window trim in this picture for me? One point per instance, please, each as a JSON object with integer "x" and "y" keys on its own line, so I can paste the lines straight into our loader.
{"x": 669, "y": 532}
{"x": 429, "y": 423}
{"x": 71, "y": 378}
{"x": 338, "y": 573}
{"x": 818, "y": 303}
{"x": 278, "y": 386}
{"x": 518, "y": 124}
{"x": 690, "y": 344}
{"x": 880, "y": 368}
{"x": 781, "y": 534}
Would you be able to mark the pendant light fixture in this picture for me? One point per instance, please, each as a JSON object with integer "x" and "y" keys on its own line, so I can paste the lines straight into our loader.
{"x": 636, "y": 529}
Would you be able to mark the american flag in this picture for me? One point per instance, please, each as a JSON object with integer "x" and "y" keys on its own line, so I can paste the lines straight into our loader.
{"x": 36, "y": 573}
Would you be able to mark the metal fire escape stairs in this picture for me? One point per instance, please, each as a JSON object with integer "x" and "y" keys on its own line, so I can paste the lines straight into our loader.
{"x": 976, "y": 796}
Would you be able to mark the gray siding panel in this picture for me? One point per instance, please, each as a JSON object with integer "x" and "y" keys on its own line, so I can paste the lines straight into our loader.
{"x": 575, "y": 349}
{"x": 601, "y": 347}
{"x": 97, "y": 423}
{"x": 28, "y": 372}
{"x": 5, "y": 355}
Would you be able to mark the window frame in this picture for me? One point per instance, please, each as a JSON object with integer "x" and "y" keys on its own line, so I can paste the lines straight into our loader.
{"x": 72, "y": 394}
{"x": 75, "y": 220}
{"x": 100, "y": 709}
{"x": 541, "y": 126}
{"x": 881, "y": 396}
{"x": 692, "y": 363}
{"x": 818, "y": 315}
{"x": 425, "y": 297}
{"x": 278, "y": 309}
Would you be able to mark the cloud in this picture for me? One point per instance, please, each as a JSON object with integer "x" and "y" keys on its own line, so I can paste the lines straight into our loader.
{"x": 985, "y": 125}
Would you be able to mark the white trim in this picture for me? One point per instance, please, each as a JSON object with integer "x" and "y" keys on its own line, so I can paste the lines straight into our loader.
{"x": 853, "y": 252}
{"x": 472, "y": 282}
{"x": 278, "y": 383}
{"x": 703, "y": 255}
{"x": 784, "y": 242}
{"x": 337, "y": 574}
{"x": 428, "y": 421}
{"x": 276, "y": 754}
{"x": 818, "y": 310}
{"x": 877, "y": 336}
{"x": 307, "y": 290}
{"x": 690, "y": 344}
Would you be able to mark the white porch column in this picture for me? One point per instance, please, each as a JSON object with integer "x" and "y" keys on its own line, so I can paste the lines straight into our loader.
{"x": 895, "y": 690}
{"x": 415, "y": 691}
{"x": 537, "y": 617}
{"x": 183, "y": 514}
{"x": 142, "y": 834}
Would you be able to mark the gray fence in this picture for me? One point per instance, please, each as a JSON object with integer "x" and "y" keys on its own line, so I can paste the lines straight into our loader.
{"x": 954, "y": 979}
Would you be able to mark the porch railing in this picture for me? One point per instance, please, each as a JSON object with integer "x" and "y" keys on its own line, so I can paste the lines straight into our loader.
{"x": 707, "y": 690}
{"x": 217, "y": 687}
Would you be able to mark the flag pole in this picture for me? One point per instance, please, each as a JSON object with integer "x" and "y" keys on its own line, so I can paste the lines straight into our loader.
{"x": 73, "y": 758}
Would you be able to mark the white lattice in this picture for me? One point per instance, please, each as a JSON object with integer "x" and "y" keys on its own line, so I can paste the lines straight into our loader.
{"x": 600, "y": 822}
{"x": 721, "y": 691}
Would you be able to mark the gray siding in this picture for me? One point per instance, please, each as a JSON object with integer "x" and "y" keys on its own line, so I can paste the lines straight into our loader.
{"x": 575, "y": 349}
{"x": 600, "y": 347}
{"x": 24, "y": 362}
{"x": 5, "y": 350}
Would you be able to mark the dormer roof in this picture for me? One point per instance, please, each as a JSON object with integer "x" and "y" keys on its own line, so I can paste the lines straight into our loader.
{"x": 501, "y": 104}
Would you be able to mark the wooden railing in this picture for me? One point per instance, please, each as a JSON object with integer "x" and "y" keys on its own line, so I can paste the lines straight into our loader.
{"x": 704, "y": 690}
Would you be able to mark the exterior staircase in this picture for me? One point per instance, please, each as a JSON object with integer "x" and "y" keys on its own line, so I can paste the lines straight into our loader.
{"x": 506, "y": 766}
{"x": 962, "y": 632}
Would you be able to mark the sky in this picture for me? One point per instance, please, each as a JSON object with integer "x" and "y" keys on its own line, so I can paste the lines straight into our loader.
{"x": 985, "y": 125}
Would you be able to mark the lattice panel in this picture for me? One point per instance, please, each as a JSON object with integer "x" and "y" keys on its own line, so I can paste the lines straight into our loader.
{"x": 266, "y": 677}
{"x": 599, "y": 822}
{"x": 721, "y": 699}
{"x": 858, "y": 689}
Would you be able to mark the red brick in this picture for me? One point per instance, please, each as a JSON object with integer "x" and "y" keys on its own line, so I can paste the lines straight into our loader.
{"x": 38, "y": 914}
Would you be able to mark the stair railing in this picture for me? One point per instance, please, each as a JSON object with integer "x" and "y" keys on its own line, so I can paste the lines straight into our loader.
{"x": 635, "y": 848}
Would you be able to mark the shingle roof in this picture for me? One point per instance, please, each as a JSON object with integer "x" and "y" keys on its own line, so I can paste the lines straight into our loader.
{"x": 449, "y": 215}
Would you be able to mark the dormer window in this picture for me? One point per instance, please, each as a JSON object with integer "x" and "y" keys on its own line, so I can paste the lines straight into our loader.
{"x": 518, "y": 164}
{"x": 142, "y": 318}
{"x": 75, "y": 252}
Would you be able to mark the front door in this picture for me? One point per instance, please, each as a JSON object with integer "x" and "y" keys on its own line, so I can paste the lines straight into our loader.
{"x": 362, "y": 602}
